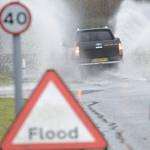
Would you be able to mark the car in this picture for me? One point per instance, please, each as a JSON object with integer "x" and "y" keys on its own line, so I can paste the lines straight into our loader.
{"x": 97, "y": 46}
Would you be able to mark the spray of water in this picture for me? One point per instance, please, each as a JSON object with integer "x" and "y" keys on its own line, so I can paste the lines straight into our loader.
{"x": 52, "y": 21}
{"x": 52, "y": 24}
{"x": 133, "y": 27}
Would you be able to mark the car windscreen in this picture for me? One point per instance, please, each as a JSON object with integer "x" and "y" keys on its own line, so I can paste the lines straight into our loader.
{"x": 94, "y": 36}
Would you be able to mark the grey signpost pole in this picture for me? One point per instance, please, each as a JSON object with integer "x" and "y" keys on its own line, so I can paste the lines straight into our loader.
{"x": 15, "y": 18}
{"x": 17, "y": 61}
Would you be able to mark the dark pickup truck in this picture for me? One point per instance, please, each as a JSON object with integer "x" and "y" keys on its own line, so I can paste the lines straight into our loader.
{"x": 97, "y": 46}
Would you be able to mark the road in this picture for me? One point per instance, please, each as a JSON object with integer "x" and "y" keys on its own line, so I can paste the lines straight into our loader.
{"x": 119, "y": 106}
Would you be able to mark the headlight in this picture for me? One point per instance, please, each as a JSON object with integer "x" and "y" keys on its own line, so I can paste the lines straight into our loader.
{"x": 77, "y": 51}
{"x": 120, "y": 48}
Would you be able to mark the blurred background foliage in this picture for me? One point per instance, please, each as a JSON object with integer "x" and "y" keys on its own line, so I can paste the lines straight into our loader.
{"x": 94, "y": 13}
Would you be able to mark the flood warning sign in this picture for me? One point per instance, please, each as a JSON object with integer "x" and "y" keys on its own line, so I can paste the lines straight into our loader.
{"x": 53, "y": 119}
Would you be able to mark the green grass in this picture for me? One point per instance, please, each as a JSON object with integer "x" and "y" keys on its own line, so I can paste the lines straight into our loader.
{"x": 6, "y": 115}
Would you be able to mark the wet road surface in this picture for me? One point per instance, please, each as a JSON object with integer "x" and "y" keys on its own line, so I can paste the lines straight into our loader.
{"x": 118, "y": 105}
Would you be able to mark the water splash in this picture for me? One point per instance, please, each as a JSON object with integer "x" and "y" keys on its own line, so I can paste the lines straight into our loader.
{"x": 51, "y": 21}
{"x": 133, "y": 27}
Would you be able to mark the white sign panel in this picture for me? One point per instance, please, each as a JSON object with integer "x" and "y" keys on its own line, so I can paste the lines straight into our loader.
{"x": 15, "y": 18}
{"x": 52, "y": 121}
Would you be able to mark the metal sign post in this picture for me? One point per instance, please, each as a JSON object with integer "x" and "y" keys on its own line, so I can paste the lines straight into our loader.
{"x": 15, "y": 18}
{"x": 17, "y": 61}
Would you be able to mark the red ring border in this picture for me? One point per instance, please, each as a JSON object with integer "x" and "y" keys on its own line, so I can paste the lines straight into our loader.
{"x": 22, "y": 5}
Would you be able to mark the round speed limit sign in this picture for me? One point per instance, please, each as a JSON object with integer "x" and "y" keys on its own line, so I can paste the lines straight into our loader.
{"x": 15, "y": 18}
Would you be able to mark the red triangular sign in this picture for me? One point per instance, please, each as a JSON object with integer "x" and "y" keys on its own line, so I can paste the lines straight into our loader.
{"x": 53, "y": 120}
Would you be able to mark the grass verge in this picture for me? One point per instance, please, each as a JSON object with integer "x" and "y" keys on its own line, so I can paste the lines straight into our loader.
{"x": 6, "y": 115}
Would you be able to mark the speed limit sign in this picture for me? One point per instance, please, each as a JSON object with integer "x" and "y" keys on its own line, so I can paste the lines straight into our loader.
{"x": 15, "y": 18}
